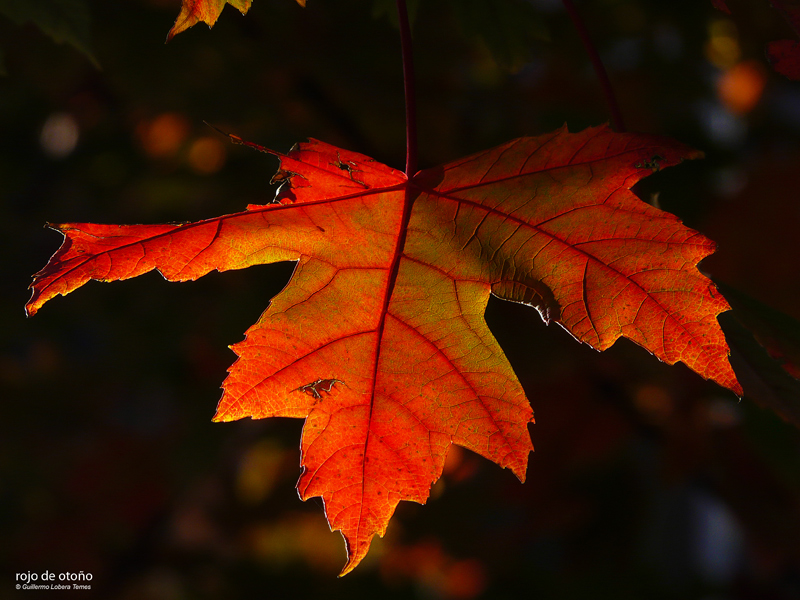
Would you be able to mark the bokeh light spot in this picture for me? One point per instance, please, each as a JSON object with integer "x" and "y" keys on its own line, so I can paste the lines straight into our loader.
{"x": 258, "y": 472}
{"x": 722, "y": 49}
{"x": 740, "y": 87}
{"x": 206, "y": 155}
{"x": 59, "y": 135}
{"x": 654, "y": 403}
{"x": 466, "y": 579}
{"x": 163, "y": 136}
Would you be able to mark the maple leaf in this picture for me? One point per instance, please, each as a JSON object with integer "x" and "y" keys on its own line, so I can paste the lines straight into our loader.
{"x": 379, "y": 340}
{"x": 207, "y": 11}
{"x": 721, "y": 5}
{"x": 784, "y": 56}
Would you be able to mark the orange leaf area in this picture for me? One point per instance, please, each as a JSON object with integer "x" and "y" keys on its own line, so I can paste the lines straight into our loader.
{"x": 207, "y": 11}
{"x": 379, "y": 340}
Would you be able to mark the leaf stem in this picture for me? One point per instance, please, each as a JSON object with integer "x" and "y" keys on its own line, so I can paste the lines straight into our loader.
{"x": 408, "y": 80}
{"x": 616, "y": 116}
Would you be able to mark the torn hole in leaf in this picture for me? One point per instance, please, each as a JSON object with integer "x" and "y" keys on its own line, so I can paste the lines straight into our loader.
{"x": 282, "y": 177}
{"x": 285, "y": 181}
{"x": 344, "y": 165}
{"x": 534, "y": 293}
{"x": 315, "y": 388}
{"x": 349, "y": 167}
{"x": 652, "y": 164}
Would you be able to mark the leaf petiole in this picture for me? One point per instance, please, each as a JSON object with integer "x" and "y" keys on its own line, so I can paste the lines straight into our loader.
{"x": 602, "y": 75}
{"x": 410, "y": 94}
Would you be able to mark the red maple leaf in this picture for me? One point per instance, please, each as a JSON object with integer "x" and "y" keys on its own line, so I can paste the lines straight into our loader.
{"x": 379, "y": 340}
{"x": 784, "y": 56}
{"x": 721, "y": 5}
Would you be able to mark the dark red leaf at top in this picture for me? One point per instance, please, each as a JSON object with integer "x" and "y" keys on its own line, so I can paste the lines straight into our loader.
{"x": 784, "y": 56}
{"x": 720, "y": 5}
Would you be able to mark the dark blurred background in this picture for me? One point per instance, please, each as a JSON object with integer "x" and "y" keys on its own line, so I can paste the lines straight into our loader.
{"x": 647, "y": 481}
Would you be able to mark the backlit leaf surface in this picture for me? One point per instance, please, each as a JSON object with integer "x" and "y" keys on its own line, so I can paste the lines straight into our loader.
{"x": 207, "y": 11}
{"x": 65, "y": 21}
{"x": 379, "y": 340}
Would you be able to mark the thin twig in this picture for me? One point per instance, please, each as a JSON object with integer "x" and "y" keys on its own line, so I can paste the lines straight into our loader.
{"x": 408, "y": 79}
{"x": 616, "y": 116}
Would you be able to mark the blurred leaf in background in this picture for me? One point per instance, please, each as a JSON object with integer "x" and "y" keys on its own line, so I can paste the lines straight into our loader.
{"x": 65, "y": 21}
{"x": 508, "y": 28}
